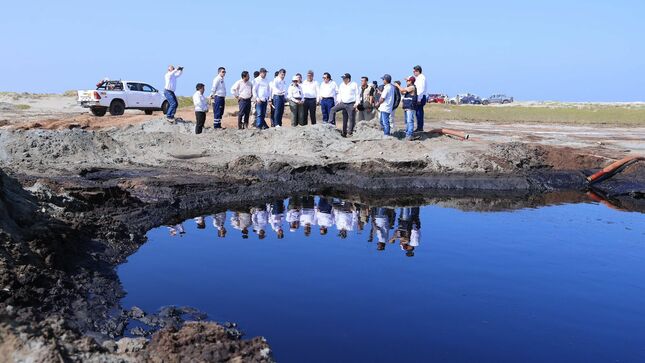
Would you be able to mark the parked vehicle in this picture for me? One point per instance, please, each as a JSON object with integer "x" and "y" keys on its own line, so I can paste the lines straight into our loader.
{"x": 499, "y": 98}
{"x": 470, "y": 99}
{"x": 437, "y": 98}
{"x": 118, "y": 96}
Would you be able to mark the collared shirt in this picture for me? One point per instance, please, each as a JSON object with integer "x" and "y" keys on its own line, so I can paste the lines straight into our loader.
{"x": 345, "y": 220}
{"x": 328, "y": 89}
{"x": 201, "y": 105}
{"x": 219, "y": 219}
{"x": 278, "y": 87}
{"x": 171, "y": 79}
{"x": 242, "y": 89}
{"x": 324, "y": 219}
{"x": 349, "y": 93}
{"x": 420, "y": 82}
{"x": 294, "y": 93}
{"x": 218, "y": 88}
{"x": 388, "y": 99}
{"x": 310, "y": 89}
{"x": 308, "y": 216}
{"x": 261, "y": 89}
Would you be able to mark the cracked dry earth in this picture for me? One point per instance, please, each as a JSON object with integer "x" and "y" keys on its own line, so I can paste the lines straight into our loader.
{"x": 77, "y": 202}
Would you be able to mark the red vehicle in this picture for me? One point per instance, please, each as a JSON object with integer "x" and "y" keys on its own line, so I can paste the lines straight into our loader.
{"x": 437, "y": 98}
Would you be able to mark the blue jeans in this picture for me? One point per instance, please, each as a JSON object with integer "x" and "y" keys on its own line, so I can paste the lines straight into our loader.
{"x": 278, "y": 104}
{"x": 325, "y": 106}
{"x": 260, "y": 114}
{"x": 385, "y": 122}
{"x": 420, "y": 113}
{"x": 218, "y": 111}
{"x": 409, "y": 122}
{"x": 172, "y": 103}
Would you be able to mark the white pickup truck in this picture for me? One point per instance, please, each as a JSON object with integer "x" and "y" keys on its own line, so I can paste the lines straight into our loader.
{"x": 117, "y": 96}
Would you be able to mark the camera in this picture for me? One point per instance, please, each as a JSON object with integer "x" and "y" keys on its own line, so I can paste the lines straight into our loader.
{"x": 180, "y": 68}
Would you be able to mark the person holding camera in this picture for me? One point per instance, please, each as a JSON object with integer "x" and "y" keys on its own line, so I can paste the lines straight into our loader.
{"x": 410, "y": 104}
{"x": 366, "y": 106}
{"x": 201, "y": 107}
{"x": 170, "y": 85}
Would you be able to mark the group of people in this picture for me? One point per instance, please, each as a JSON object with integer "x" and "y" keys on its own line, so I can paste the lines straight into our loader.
{"x": 258, "y": 95}
{"x": 306, "y": 213}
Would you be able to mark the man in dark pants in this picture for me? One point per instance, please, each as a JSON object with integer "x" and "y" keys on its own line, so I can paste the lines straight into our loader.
{"x": 420, "y": 83}
{"x": 327, "y": 93}
{"x": 310, "y": 91}
{"x": 201, "y": 107}
{"x": 348, "y": 100}
{"x": 261, "y": 93}
{"x": 243, "y": 92}
{"x": 279, "y": 93}
{"x": 218, "y": 94}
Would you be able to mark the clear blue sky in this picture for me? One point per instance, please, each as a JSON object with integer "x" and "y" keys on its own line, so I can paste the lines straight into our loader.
{"x": 539, "y": 50}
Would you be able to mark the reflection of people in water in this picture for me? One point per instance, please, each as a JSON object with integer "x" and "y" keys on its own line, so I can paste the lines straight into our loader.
{"x": 276, "y": 217}
{"x": 259, "y": 219}
{"x": 241, "y": 221}
{"x": 324, "y": 215}
{"x": 218, "y": 222}
{"x": 363, "y": 216}
{"x": 380, "y": 226}
{"x": 409, "y": 230}
{"x": 345, "y": 217}
{"x": 177, "y": 229}
{"x": 293, "y": 213}
{"x": 201, "y": 223}
{"x": 308, "y": 214}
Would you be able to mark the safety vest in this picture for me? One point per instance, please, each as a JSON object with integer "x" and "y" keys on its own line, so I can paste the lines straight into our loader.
{"x": 410, "y": 100}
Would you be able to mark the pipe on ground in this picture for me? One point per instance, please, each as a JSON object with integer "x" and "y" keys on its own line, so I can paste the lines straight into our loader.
{"x": 613, "y": 168}
{"x": 450, "y": 132}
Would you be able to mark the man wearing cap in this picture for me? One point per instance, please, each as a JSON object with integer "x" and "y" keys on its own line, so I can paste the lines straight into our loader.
{"x": 243, "y": 92}
{"x": 348, "y": 100}
{"x": 385, "y": 103}
{"x": 409, "y": 101}
{"x": 218, "y": 94}
{"x": 422, "y": 90}
{"x": 296, "y": 102}
{"x": 279, "y": 93}
{"x": 261, "y": 91}
{"x": 327, "y": 94}
{"x": 310, "y": 92}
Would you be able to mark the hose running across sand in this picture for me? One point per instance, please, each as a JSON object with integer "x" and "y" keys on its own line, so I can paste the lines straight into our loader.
{"x": 613, "y": 168}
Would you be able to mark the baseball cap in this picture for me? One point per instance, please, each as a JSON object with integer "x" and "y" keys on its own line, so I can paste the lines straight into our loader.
{"x": 346, "y": 75}
{"x": 411, "y": 78}
{"x": 387, "y": 77}
{"x": 294, "y": 78}
{"x": 263, "y": 70}
{"x": 310, "y": 72}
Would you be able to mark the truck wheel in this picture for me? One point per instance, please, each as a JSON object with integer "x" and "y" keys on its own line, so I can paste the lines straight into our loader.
{"x": 117, "y": 108}
{"x": 148, "y": 112}
{"x": 98, "y": 111}
{"x": 505, "y": 102}
{"x": 484, "y": 103}
{"x": 164, "y": 107}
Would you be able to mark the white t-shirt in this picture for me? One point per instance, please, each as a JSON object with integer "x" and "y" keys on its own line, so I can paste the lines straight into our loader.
{"x": 388, "y": 99}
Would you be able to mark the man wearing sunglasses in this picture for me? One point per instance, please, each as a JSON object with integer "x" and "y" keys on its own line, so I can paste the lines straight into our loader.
{"x": 218, "y": 94}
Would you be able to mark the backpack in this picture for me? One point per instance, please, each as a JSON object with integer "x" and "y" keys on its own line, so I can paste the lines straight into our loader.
{"x": 397, "y": 98}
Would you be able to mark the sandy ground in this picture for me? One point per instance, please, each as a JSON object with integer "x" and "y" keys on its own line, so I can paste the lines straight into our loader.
{"x": 59, "y": 112}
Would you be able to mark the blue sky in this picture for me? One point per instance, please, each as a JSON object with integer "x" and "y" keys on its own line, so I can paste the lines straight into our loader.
{"x": 541, "y": 50}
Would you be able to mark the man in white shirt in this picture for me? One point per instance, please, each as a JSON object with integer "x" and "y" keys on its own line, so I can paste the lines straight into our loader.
{"x": 276, "y": 217}
{"x": 422, "y": 97}
{"x": 260, "y": 219}
{"x": 218, "y": 223}
{"x": 348, "y": 100}
{"x": 218, "y": 94}
{"x": 327, "y": 93}
{"x": 261, "y": 92}
{"x": 201, "y": 107}
{"x": 310, "y": 91}
{"x": 169, "y": 90}
{"x": 324, "y": 215}
{"x": 279, "y": 94}
{"x": 243, "y": 92}
{"x": 385, "y": 103}
{"x": 296, "y": 102}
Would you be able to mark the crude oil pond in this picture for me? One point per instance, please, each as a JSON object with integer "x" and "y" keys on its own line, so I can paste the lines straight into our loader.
{"x": 556, "y": 283}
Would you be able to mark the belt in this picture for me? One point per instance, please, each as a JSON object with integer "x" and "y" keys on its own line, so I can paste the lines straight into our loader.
{"x": 310, "y": 98}
{"x": 328, "y": 98}
{"x": 297, "y": 98}
{"x": 244, "y": 99}
{"x": 220, "y": 96}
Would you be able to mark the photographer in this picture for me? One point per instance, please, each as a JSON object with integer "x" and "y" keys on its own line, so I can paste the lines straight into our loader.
{"x": 169, "y": 90}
